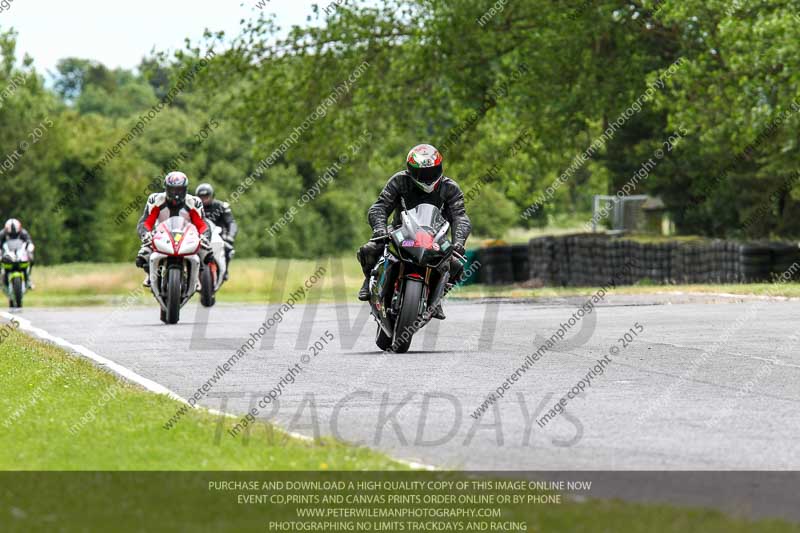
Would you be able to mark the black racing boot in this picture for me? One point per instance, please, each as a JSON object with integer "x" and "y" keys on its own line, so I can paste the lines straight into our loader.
{"x": 141, "y": 262}
{"x": 363, "y": 294}
{"x": 438, "y": 313}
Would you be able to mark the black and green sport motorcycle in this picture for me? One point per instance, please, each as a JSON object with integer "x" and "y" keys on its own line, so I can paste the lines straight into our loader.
{"x": 16, "y": 262}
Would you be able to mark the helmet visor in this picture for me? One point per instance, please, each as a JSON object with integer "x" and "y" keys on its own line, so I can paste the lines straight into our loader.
{"x": 428, "y": 175}
{"x": 176, "y": 194}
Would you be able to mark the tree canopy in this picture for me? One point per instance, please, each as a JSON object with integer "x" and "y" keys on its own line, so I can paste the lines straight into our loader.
{"x": 369, "y": 82}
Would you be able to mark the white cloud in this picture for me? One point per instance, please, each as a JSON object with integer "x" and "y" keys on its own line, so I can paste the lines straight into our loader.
{"x": 119, "y": 33}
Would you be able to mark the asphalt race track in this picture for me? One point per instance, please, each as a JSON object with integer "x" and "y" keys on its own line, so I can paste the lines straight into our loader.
{"x": 711, "y": 383}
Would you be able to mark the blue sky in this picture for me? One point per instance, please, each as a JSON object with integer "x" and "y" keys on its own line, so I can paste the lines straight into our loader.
{"x": 119, "y": 33}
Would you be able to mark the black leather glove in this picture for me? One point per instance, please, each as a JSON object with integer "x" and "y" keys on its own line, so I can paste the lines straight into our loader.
{"x": 205, "y": 244}
{"x": 373, "y": 247}
{"x": 147, "y": 239}
{"x": 459, "y": 248}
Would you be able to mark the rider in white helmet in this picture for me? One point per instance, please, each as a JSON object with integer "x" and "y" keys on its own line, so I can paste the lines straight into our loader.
{"x": 174, "y": 201}
{"x": 13, "y": 230}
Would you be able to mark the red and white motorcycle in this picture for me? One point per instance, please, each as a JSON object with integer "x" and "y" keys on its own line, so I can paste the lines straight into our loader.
{"x": 174, "y": 266}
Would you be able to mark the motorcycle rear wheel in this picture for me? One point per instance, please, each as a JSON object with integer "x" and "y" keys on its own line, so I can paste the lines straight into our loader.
{"x": 409, "y": 311}
{"x": 207, "y": 297}
{"x": 174, "y": 295}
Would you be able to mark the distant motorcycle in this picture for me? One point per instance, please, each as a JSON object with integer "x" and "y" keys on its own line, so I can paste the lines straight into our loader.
{"x": 212, "y": 276}
{"x": 174, "y": 266}
{"x": 409, "y": 281}
{"x": 15, "y": 261}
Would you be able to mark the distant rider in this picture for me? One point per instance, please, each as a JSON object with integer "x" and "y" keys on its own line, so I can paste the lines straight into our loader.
{"x": 174, "y": 201}
{"x": 422, "y": 182}
{"x": 221, "y": 215}
{"x": 13, "y": 230}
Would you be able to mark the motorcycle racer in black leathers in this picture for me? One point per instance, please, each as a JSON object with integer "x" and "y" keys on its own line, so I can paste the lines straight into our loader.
{"x": 221, "y": 215}
{"x": 174, "y": 201}
{"x": 423, "y": 182}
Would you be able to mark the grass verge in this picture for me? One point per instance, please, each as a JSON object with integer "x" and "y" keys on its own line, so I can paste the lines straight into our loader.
{"x": 47, "y": 391}
{"x": 253, "y": 280}
{"x": 791, "y": 290}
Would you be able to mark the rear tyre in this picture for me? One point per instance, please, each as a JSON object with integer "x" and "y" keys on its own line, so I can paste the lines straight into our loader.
{"x": 207, "y": 298}
{"x": 383, "y": 340}
{"x": 16, "y": 292}
{"x": 174, "y": 295}
{"x": 409, "y": 311}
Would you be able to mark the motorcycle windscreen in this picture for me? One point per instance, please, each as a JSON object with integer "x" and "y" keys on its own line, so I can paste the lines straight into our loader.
{"x": 16, "y": 248}
{"x": 425, "y": 221}
{"x": 15, "y": 244}
{"x": 175, "y": 236}
{"x": 429, "y": 217}
{"x": 176, "y": 224}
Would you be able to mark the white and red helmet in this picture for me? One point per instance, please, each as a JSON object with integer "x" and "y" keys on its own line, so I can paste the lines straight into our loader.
{"x": 176, "y": 185}
{"x": 13, "y": 228}
{"x": 424, "y": 163}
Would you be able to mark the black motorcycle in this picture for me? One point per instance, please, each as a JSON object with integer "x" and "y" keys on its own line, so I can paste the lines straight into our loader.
{"x": 410, "y": 280}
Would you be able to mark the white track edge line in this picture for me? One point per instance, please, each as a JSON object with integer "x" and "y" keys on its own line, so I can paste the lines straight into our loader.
{"x": 149, "y": 384}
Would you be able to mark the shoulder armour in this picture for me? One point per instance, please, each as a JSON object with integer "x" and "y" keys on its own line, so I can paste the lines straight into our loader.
{"x": 450, "y": 182}
{"x": 194, "y": 201}
{"x": 157, "y": 198}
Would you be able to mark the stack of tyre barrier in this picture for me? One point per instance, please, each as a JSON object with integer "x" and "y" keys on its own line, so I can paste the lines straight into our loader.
{"x": 592, "y": 260}
{"x": 540, "y": 260}
{"x": 783, "y": 258}
{"x": 497, "y": 266}
{"x": 520, "y": 262}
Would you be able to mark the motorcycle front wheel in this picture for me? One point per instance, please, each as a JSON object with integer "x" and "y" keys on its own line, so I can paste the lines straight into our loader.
{"x": 16, "y": 292}
{"x": 383, "y": 340}
{"x": 409, "y": 311}
{"x": 174, "y": 295}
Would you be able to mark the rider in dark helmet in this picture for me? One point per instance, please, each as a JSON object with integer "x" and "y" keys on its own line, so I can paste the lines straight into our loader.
{"x": 13, "y": 230}
{"x": 221, "y": 215}
{"x": 174, "y": 201}
{"x": 422, "y": 182}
